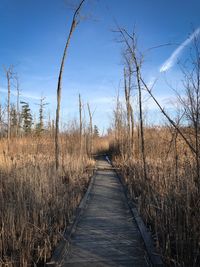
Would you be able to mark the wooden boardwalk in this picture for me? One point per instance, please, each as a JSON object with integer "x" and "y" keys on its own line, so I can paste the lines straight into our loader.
{"x": 106, "y": 234}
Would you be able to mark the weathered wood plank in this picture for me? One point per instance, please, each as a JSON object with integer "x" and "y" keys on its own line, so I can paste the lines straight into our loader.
{"x": 106, "y": 233}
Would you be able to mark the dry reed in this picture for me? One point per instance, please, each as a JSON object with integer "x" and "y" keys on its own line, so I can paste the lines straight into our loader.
{"x": 36, "y": 202}
{"x": 168, "y": 201}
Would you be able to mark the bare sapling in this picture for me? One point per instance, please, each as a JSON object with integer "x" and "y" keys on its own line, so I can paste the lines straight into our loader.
{"x": 17, "y": 105}
{"x": 80, "y": 126}
{"x": 75, "y": 21}
{"x": 132, "y": 53}
{"x": 9, "y": 76}
{"x": 90, "y": 129}
{"x": 128, "y": 111}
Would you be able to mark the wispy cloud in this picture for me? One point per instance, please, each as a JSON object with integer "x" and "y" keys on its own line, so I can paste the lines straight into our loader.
{"x": 171, "y": 60}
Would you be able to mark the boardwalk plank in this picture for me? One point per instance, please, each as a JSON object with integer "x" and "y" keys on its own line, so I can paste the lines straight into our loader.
{"x": 106, "y": 234}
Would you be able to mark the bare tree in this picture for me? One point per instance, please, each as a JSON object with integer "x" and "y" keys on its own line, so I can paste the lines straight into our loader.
{"x": 132, "y": 127}
{"x": 127, "y": 98}
{"x": 193, "y": 147}
{"x": 191, "y": 101}
{"x": 90, "y": 129}
{"x": 129, "y": 110}
{"x": 75, "y": 21}
{"x": 171, "y": 121}
{"x": 132, "y": 53}
{"x": 17, "y": 104}
{"x": 80, "y": 125}
{"x": 118, "y": 126}
{"x": 9, "y": 76}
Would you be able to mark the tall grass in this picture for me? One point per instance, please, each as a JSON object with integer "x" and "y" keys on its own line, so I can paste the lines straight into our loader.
{"x": 169, "y": 200}
{"x": 36, "y": 202}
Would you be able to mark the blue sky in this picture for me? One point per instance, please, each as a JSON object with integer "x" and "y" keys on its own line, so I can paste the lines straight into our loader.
{"x": 33, "y": 34}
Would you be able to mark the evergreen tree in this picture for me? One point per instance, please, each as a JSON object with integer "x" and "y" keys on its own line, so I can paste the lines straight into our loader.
{"x": 13, "y": 120}
{"x": 26, "y": 117}
{"x": 96, "y": 131}
{"x": 13, "y": 116}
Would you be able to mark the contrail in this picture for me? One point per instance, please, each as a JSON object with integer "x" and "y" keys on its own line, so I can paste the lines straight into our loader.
{"x": 171, "y": 60}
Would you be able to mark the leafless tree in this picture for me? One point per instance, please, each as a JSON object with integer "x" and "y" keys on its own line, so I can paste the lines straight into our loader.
{"x": 17, "y": 104}
{"x": 90, "y": 129}
{"x": 75, "y": 21}
{"x": 127, "y": 98}
{"x": 129, "y": 109}
{"x": 9, "y": 75}
{"x": 191, "y": 101}
{"x": 135, "y": 58}
{"x": 171, "y": 121}
{"x": 80, "y": 126}
{"x": 119, "y": 127}
{"x": 191, "y": 106}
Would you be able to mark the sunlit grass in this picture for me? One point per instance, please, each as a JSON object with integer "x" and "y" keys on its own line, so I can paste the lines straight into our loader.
{"x": 168, "y": 201}
{"x": 36, "y": 202}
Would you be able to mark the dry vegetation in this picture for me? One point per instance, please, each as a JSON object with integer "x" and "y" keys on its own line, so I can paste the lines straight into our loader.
{"x": 161, "y": 164}
{"x": 169, "y": 200}
{"x": 44, "y": 173}
{"x": 36, "y": 202}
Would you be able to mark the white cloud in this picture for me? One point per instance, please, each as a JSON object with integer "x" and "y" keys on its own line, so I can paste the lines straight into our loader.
{"x": 171, "y": 60}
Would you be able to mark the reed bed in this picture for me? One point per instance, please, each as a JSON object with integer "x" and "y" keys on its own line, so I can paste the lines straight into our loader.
{"x": 36, "y": 202}
{"x": 169, "y": 200}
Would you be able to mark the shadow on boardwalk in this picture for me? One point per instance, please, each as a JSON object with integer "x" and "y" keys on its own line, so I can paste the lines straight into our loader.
{"x": 106, "y": 234}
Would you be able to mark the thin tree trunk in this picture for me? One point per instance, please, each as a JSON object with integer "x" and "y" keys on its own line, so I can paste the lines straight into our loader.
{"x": 169, "y": 119}
{"x": 80, "y": 126}
{"x": 0, "y": 120}
{"x": 132, "y": 129}
{"x": 8, "y": 105}
{"x": 90, "y": 131}
{"x": 131, "y": 48}
{"x": 128, "y": 115}
{"x": 141, "y": 117}
{"x": 59, "y": 87}
{"x": 18, "y": 114}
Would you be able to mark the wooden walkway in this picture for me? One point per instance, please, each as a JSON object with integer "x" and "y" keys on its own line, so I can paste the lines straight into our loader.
{"x": 106, "y": 234}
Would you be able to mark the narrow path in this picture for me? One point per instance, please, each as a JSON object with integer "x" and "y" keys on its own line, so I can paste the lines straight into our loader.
{"x": 106, "y": 234}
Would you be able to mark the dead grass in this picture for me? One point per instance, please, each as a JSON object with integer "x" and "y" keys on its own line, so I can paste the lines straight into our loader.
{"x": 169, "y": 201}
{"x": 101, "y": 145}
{"x": 36, "y": 203}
